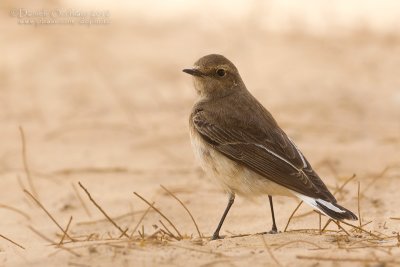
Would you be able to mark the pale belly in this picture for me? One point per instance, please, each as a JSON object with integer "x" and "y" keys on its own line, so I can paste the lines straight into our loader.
{"x": 231, "y": 176}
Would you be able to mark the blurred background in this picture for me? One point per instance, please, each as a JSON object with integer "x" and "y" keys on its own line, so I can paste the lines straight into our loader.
{"x": 96, "y": 72}
{"x": 98, "y": 88}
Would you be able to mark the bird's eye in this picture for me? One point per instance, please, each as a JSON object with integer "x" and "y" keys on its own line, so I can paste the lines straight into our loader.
{"x": 221, "y": 72}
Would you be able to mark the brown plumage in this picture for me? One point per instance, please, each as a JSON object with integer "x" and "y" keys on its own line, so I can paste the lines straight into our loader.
{"x": 237, "y": 140}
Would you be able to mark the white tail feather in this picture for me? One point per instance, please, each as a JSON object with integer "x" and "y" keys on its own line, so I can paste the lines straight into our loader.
{"x": 313, "y": 203}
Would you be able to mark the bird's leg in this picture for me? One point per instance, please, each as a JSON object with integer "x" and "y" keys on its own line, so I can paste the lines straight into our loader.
{"x": 274, "y": 230}
{"x": 230, "y": 203}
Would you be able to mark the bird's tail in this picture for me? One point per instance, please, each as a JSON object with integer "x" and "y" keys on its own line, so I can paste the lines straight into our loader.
{"x": 332, "y": 210}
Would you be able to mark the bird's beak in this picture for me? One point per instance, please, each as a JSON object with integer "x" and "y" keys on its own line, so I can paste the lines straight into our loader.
{"x": 194, "y": 72}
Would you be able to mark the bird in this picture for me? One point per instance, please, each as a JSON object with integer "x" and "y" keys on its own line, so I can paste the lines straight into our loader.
{"x": 238, "y": 142}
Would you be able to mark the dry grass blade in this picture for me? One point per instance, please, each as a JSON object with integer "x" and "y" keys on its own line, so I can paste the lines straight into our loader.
{"x": 270, "y": 252}
{"x": 123, "y": 233}
{"x": 378, "y": 176}
{"x": 102, "y": 211}
{"x": 330, "y": 166}
{"x": 48, "y": 214}
{"x": 119, "y": 217}
{"x": 141, "y": 234}
{"x": 112, "y": 170}
{"x": 84, "y": 170}
{"x": 326, "y": 225}
{"x": 154, "y": 234}
{"x": 20, "y": 183}
{"x": 77, "y": 264}
{"x": 197, "y": 250}
{"x": 81, "y": 200}
{"x": 320, "y": 222}
{"x": 299, "y": 241}
{"x": 309, "y": 231}
{"x": 66, "y": 230}
{"x": 11, "y": 241}
{"x": 291, "y": 216}
{"x": 16, "y": 210}
{"x": 23, "y": 187}
{"x": 361, "y": 229}
{"x": 338, "y": 224}
{"x": 159, "y": 212}
{"x": 141, "y": 219}
{"x": 51, "y": 242}
{"x": 26, "y": 166}
{"x": 394, "y": 218}
{"x": 184, "y": 206}
{"x": 344, "y": 184}
{"x": 364, "y": 224}
{"x": 41, "y": 235}
{"x": 343, "y": 259}
{"x": 358, "y": 204}
{"x": 168, "y": 231}
{"x": 378, "y": 247}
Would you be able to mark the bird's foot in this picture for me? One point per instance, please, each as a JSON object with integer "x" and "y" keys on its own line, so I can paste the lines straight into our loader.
{"x": 216, "y": 236}
{"x": 272, "y": 231}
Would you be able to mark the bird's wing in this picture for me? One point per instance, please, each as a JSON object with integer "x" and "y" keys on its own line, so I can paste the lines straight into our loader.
{"x": 271, "y": 154}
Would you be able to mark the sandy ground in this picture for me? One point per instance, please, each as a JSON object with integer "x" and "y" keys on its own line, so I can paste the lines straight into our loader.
{"x": 108, "y": 106}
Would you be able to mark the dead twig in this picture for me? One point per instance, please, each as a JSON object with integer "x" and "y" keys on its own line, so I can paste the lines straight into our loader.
{"x": 77, "y": 264}
{"x": 358, "y": 204}
{"x": 378, "y": 176}
{"x": 343, "y": 259}
{"x": 330, "y": 166}
{"x": 25, "y": 162}
{"x": 320, "y": 222}
{"x": 48, "y": 214}
{"x": 66, "y": 230}
{"x": 184, "y": 206}
{"x": 198, "y": 250}
{"x": 131, "y": 213}
{"x": 340, "y": 189}
{"x": 140, "y": 220}
{"x": 52, "y": 243}
{"x": 81, "y": 200}
{"x": 299, "y": 241}
{"x": 16, "y": 210}
{"x": 338, "y": 224}
{"x": 102, "y": 211}
{"x": 168, "y": 231}
{"x": 41, "y": 235}
{"x": 361, "y": 229}
{"x": 159, "y": 212}
{"x": 11, "y": 241}
{"x": 291, "y": 216}
{"x": 112, "y": 170}
{"x": 326, "y": 225}
{"x": 364, "y": 224}
{"x": 123, "y": 233}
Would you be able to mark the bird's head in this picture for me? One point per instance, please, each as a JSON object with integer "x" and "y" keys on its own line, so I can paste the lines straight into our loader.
{"x": 215, "y": 76}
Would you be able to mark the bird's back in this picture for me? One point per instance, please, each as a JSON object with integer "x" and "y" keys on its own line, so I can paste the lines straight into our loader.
{"x": 244, "y": 120}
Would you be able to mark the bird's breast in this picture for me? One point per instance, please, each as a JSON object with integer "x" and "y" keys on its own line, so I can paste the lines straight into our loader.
{"x": 201, "y": 150}
{"x": 230, "y": 175}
